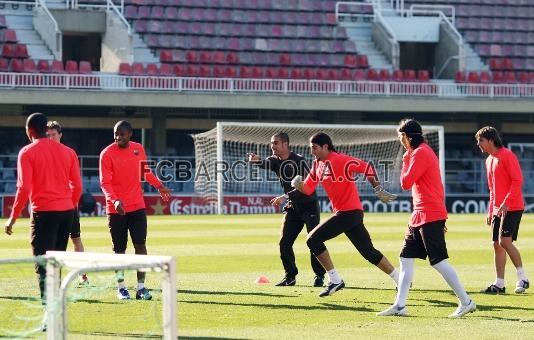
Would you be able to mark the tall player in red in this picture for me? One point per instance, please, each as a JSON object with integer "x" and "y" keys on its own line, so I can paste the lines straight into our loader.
{"x": 425, "y": 235}
{"x": 122, "y": 167}
{"x": 336, "y": 172}
{"x": 505, "y": 206}
{"x": 48, "y": 173}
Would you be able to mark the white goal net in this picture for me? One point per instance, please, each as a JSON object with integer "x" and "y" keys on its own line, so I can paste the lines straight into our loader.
{"x": 221, "y": 155}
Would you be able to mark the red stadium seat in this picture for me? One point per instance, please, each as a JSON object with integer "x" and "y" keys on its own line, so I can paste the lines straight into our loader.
{"x": 485, "y": 77}
{"x": 232, "y": 58}
{"x": 4, "y": 65}
{"x": 138, "y": 69}
{"x": 359, "y": 75}
{"x": 245, "y": 72}
{"x": 43, "y": 66}
{"x": 124, "y": 69}
{"x": 384, "y": 75}
{"x": 350, "y": 61}
{"x": 230, "y": 72}
{"x": 410, "y": 75}
{"x": 398, "y": 75}
{"x": 285, "y": 59}
{"x": 257, "y": 72}
{"x": 165, "y": 56}
{"x": 71, "y": 67}
{"x": 423, "y": 76}
{"x": 191, "y": 57}
{"x": 85, "y": 67}
{"x": 205, "y": 57}
{"x": 219, "y": 58}
{"x": 509, "y": 77}
{"x": 372, "y": 75}
{"x": 494, "y": 63}
{"x": 333, "y": 74}
{"x": 362, "y": 61}
{"x": 473, "y": 77}
{"x": 296, "y": 73}
{"x": 507, "y": 64}
{"x": 16, "y": 65}
{"x": 10, "y": 36}
{"x": 8, "y": 51}
{"x": 271, "y": 73}
{"x": 459, "y": 77}
{"x": 346, "y": 74}
{"x": 151, "y": 69}
{"x": 204, "y": 71}
{"x": 29, "y": 66}
{"x": 283, "y": 73}
{"x": 522, "y": 77}
{"x": 308, "y": 73}
{"x": 21, "y": 51}
{"x": 321, "y": 74}
{"x": 179, "y": 70}
{"x": 165, "y": 70}
{"x": 498, "y": 77}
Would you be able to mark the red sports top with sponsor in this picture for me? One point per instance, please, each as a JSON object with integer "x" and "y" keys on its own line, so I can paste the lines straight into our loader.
{"x": 420, "y": 172}
{"x": 120, "y": 176}
{"x": 48, "y": 173}
{"x": 337, "y": 174}
{"x": 505, "y": 180}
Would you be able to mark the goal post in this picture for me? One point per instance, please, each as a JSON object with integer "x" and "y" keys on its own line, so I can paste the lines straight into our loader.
{"x": 228, "y": 143}
{"x": 77, "y": 263}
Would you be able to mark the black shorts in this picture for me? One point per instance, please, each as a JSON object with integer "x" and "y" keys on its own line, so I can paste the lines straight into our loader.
{"x": 119, "y": 225}
{"x": 50, "y": 231}
{"x": 426, "y": 240}
{"x": 75, "y": 228}
{"x": 510, "y": 226}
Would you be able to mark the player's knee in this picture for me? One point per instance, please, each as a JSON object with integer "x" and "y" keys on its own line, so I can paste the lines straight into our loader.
{"x": 140, "y": 249}
{"x": 505, "y": 242}
{"x": 316, "y": 246}
{"x": 373, "y": 256}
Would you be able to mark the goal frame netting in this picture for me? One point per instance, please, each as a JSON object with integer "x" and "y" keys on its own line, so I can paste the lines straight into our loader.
{"x": 78, "y": 263}
{"x": 219, "y": 137}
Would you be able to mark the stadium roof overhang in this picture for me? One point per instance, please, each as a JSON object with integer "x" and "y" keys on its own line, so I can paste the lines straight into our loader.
{"x": 358, "y": 103}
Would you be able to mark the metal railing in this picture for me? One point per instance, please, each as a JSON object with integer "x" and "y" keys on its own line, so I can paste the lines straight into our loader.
{"x": 365, "y": 11}
{"x": 113, "y": 82}
{"x": 57, "y": 45}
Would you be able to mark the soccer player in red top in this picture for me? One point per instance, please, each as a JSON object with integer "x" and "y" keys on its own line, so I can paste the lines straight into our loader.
{"x": 335, "y": 171}
{"x": 505, "y": 206}
{"x": 425, "y": 235}
{"x": 54, "y": 132}
{"x": 122, "y": 167}
{"x": 48, "y": 173}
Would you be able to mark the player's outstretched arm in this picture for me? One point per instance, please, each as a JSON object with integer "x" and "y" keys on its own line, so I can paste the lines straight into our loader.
{"x": 165, "y": 193}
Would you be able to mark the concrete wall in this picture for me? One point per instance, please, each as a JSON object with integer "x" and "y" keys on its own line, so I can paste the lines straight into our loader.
{"x": 381, "y": 39}
{"x": 80, "y": 21}
{"x": 415, "y": 29}
{"x": 45, "y": 28}
{"x": 447, "y": 51}
{"x": 117, "y": 45}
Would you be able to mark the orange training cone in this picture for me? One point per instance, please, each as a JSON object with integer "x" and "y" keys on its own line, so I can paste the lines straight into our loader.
{"x": 262, "y": 279}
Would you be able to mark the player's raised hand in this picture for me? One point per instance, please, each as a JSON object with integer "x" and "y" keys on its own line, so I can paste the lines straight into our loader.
{"x": 278, "y": 200}
{"x": 384, "y": 195}
{"x": 8, "y": 226}
{"x": 165, "y": 193}
{"x": 119, "y": 207}
{"x": 252, "y": 157}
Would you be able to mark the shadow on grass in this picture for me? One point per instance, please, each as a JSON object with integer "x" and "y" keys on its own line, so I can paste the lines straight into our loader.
{"x": 207, "y": 292}
{"x": 129, "y": 335}
{"x": 21, "y": 298}
{"x": 145, "y": 336}
{"x": 322, "y": 306}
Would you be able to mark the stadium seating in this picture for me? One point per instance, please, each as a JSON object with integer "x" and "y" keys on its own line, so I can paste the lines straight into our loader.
{"x": 500, "y": 31}
{"x": 248, "y": 33}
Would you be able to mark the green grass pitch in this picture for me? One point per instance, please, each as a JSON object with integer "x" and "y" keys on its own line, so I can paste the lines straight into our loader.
{"x": 219, "y": 259}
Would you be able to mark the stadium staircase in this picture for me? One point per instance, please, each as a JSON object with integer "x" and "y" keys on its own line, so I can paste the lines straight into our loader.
{"x": 19, "y": 31}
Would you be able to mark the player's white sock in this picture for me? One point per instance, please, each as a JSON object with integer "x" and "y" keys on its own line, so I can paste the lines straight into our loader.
{"x": 395, "y": 275}
{"x": 120, "y": 284}
{"x": 405, "y": 279}
{"x": 521, "y": 274}
{"x": 334, "y": 276}
{"x": 499, "y": 282}
{"x": 449, "y": 274}
{"x": 140, "y": 285}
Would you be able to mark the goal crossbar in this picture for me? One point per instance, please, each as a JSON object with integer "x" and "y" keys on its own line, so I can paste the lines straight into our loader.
{"x": 78, "y": 262}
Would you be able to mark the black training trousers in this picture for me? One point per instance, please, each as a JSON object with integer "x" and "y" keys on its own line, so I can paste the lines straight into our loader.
{"x": 348, "y": 222}
{"x": 293, "y": 223}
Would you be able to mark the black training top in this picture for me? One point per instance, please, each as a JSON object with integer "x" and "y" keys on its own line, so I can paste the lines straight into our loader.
{"x": 286, "y": 170}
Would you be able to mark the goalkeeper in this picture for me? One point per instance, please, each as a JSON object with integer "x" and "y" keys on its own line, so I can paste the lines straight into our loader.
{"x": 300, "y": 209}
{"x": 335, "y": 172}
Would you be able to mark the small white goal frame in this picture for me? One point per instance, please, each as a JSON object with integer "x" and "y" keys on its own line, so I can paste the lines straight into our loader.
{"x": 79, "y": 263}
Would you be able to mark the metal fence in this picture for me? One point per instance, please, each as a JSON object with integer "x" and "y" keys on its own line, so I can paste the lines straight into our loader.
{"x": 113, "y": 82}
